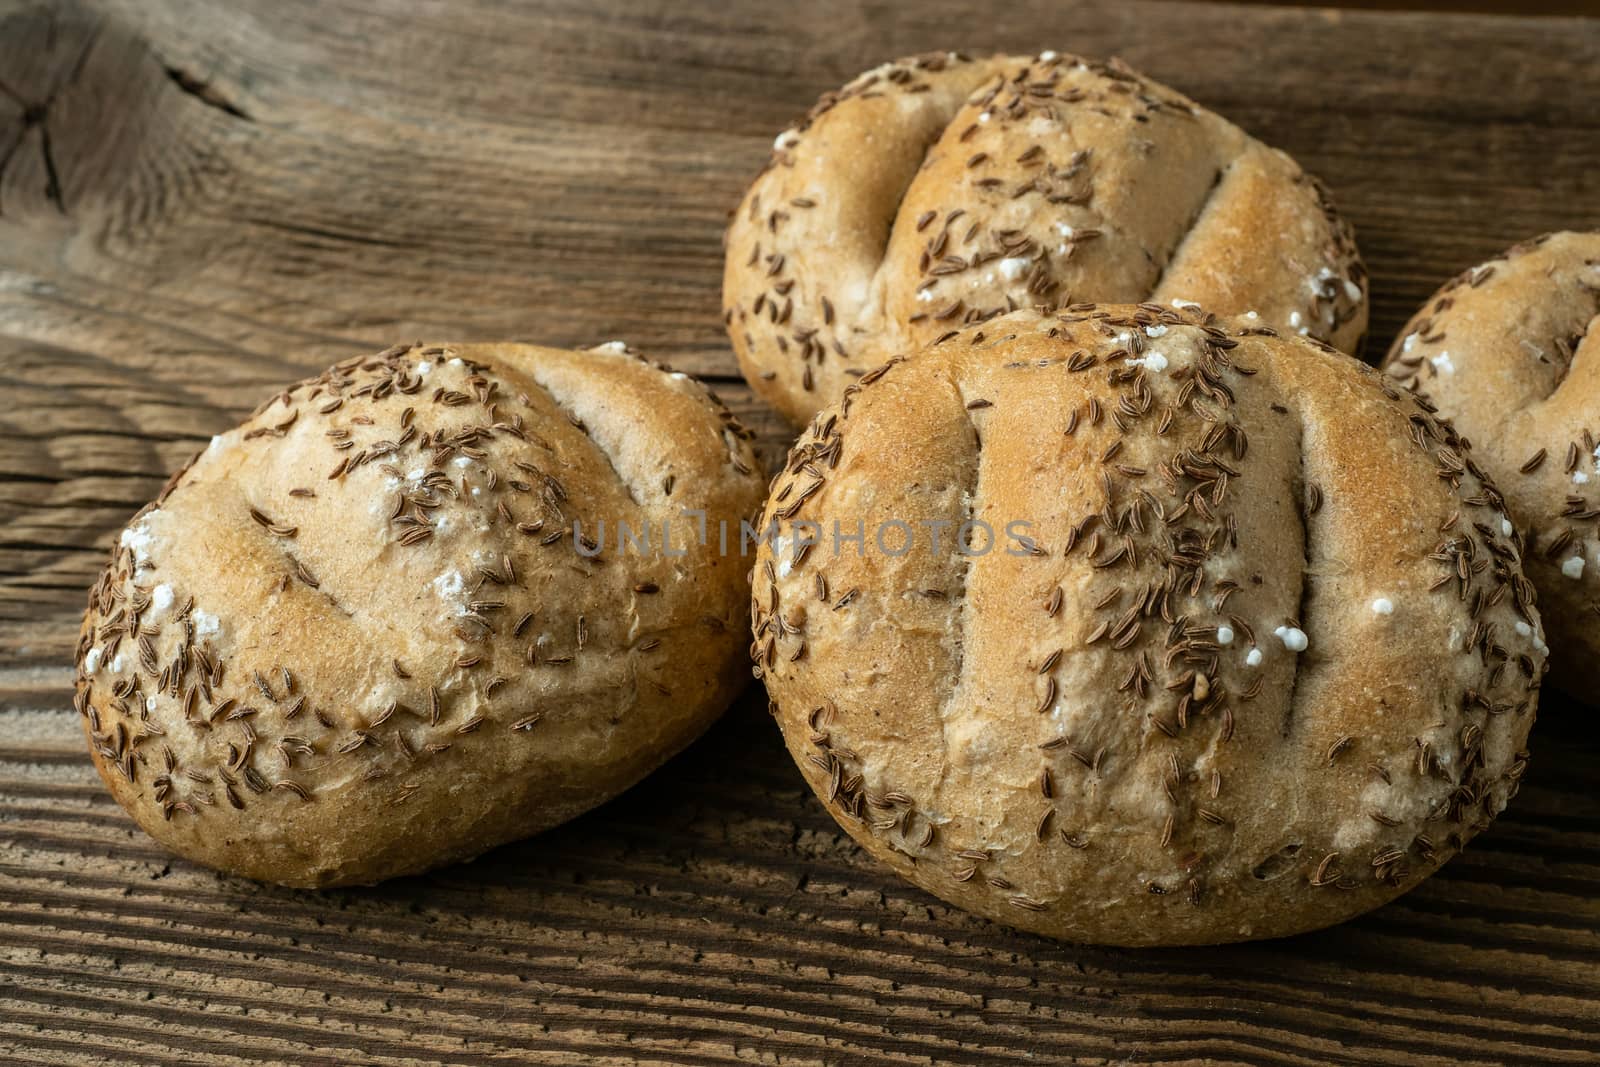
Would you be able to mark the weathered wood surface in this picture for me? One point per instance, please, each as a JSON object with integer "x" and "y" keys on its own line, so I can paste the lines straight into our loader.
{"x": 201, "y": 201}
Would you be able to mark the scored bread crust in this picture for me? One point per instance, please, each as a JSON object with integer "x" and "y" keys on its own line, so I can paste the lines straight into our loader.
{"x": 355, "y": 637}
{"x": 1510, "y": 352}
{"x": 937, "y": 191}
{"x": 1100, "y": 729}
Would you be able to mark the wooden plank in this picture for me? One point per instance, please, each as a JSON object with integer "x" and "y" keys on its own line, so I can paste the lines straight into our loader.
{"x": 201, "y": 201}
{"x": 717, "y": 907}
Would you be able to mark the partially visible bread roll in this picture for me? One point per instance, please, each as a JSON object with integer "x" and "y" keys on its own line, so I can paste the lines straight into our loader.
{"x": 1258, "y": 657}
{"x": 1510, "y": 352}
{"x": 938, "y": 191}
{"x": 356, "y": 636}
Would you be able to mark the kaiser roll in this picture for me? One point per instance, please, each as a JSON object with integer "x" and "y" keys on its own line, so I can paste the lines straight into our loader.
{"x": 1131, "y": 626}
{"x": 1510, "y": 352}
{"x": 386, "y": 623}
{"x": 939, "y": 191}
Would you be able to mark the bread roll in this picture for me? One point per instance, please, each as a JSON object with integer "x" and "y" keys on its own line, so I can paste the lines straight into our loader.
{"x": 1510, "y": 352}
{"x": 356, "y": 636}
{"x": 939, "y": 191}
{"x": 1259, "y": 656}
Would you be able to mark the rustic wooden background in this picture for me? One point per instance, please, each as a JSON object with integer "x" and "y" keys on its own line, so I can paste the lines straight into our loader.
{"x": 200, "y": 201}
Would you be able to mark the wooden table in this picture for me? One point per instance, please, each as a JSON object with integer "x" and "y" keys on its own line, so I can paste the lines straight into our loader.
{"x": 201, "y": 201}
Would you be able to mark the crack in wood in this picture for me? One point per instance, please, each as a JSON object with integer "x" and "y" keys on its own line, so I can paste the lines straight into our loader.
{"x": 207, "y": 93}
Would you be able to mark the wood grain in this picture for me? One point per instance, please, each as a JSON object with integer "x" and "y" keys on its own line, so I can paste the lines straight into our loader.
{"x": 200, "y": 201}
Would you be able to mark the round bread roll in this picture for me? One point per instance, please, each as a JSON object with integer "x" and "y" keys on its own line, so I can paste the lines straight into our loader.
{"x": 392, "y": 621}
{"x": 1510, "y": 352}
{"x": 1159, "y": 630}
{"x": 940, "y": 191}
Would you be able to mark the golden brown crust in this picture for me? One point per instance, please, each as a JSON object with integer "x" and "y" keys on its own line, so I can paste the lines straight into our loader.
{"x": 1510, "y": 351}
{"x": 938, "y": 191}
{"x": 355, "y": 637}
{"x": 1105, "y": 728}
